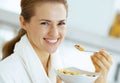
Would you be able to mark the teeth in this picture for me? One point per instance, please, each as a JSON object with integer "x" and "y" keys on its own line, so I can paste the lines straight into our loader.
{"x": 52, "y": 41}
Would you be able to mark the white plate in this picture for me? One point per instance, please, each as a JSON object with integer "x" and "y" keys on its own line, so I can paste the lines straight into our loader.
{"x": 82, "y": 78}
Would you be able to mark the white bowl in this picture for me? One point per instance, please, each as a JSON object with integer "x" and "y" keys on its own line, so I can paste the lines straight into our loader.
{"x": 83, "y": 77}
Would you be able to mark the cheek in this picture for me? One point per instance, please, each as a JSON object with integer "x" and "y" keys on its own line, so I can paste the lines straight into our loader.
{"x": 63, "y": 32}
{"x": 38, "y": 32}
{"x": 35, "y": 35}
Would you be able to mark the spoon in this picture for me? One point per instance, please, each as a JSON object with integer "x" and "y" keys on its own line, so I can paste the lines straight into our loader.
{"x": 81, "y": 48}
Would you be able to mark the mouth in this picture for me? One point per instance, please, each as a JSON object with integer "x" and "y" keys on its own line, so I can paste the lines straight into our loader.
{"x": 51, "y": 41}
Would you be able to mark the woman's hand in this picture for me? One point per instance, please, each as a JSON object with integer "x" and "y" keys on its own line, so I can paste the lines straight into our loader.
{"x": 102, "y": 62}
{"x": 59, "y": 80}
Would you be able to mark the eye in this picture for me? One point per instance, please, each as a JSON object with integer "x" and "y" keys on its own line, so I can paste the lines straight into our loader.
{"x": 44, "y": 23}
{"x": 61, "y": 23}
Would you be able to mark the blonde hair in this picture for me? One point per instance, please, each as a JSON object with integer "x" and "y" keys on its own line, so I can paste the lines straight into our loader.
{"x": 27, "y": 11}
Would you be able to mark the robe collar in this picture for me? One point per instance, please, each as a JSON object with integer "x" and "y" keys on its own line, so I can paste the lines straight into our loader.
{"x": 33, "y": 65}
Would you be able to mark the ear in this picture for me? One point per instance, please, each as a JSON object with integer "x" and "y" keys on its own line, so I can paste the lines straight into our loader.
{"x": 23, "y": 22}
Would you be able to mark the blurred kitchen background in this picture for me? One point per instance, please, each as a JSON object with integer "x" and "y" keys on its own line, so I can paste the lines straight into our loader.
{"x": 92, "y": 23}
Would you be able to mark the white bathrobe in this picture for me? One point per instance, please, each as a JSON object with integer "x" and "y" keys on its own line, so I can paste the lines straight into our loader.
{"x": 24, "y": 66}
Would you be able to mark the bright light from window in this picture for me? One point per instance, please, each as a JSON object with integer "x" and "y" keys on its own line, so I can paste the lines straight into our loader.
{"x": 6, "y": 34}
{"x": 13, "y": 6}
{"x": 117, "y": 5}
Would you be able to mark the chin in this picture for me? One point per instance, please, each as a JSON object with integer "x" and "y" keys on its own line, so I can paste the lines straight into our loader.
{"x": 52, "y": 51}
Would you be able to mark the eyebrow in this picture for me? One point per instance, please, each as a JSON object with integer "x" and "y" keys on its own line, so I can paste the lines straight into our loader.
{"x": 45, "y": 20}
{"x": 50, "y": 20}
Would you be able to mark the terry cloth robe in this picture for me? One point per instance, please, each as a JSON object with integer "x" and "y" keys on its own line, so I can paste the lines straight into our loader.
{"x": 24, "y": 66}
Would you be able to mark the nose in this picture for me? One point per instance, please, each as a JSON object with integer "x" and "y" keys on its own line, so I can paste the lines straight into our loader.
{"x": 53, "y": 31}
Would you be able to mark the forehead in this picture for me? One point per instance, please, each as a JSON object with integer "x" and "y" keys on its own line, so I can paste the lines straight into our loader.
{"x": 50, "y": 10}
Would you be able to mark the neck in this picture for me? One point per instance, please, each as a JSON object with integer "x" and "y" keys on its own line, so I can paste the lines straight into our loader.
{"x": 45, "y": 62}
{"x": 44, "y": 58}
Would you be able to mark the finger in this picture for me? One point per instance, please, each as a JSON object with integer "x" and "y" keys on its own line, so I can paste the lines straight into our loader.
{"x": 59, "y": 80}
{"x": 97, "y": 67}
{"x": 103, "y": 60}
{"x": 106, "y": 55}
{"x": 99, "y": 63}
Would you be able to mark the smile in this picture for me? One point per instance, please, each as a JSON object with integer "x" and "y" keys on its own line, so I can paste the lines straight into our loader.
{"x": 52, "y": 41}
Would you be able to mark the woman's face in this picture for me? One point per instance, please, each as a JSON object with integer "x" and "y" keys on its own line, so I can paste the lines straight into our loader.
{"x": 47, "y": 27}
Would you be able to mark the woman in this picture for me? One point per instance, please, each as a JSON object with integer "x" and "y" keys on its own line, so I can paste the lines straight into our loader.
{"x": 32, "y": 55}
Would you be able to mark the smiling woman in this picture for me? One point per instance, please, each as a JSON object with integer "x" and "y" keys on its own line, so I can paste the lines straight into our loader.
{"x": 42, "y": 32}
{"x": 49, "y": 29}
{"x": 34, "y": 53}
